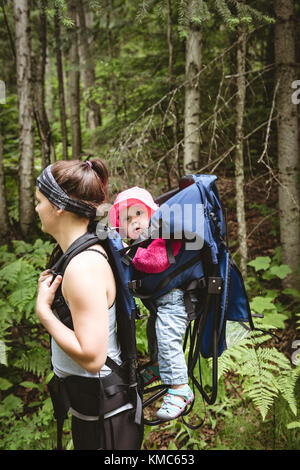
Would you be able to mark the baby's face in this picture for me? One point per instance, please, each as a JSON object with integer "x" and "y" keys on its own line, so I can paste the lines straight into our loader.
{"x": 133, "y": 220}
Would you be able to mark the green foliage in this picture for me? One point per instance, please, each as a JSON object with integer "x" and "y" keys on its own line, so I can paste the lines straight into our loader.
{"x": 61, "y": 6}
{"x": 25, "y": 357}
{"x": 141, "y": 336}
{"x": 31, "y": 431}
{"x": 272, "y": 303}
{"x": 260, "y": 373}
{"x": 19, "y": 274}
{"x": 133, "y": 87}
{"x": 266, "y": 372}
{"x": 253, "y": 378}
{"x": 264, "y": 262}
{"x": 252, "y": 373}
{"x": 261, "y": 262}
{"x": 231, "y": 12}
{"x": 34, "y": 359}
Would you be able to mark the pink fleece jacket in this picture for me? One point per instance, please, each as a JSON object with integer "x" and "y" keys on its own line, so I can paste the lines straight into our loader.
{"x": 154, "y": 259}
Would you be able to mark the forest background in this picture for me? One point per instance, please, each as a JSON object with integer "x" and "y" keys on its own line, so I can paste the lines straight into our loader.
{"x": 158, "y": 89}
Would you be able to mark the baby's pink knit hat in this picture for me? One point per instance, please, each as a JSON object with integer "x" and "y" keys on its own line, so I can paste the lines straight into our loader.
{"x": 129, "y": 197}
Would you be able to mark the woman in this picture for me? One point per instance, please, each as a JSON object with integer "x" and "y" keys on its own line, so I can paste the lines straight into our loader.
{"x": 68, "y": 194}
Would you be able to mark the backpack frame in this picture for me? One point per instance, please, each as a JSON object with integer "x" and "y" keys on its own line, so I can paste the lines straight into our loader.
{"x": 210, "y": 272}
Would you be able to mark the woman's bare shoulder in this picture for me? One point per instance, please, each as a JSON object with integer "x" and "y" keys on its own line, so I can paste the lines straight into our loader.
{"x": 89, "y": 260}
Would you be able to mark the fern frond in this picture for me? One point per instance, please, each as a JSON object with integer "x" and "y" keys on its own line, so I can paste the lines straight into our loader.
{"x": 266, "y": 372}
{"x": 6, "y": 257}
{"x": 261, "y": 391}
{"x": 24, "y": 290}
{"x": 9, "y": 273}
{"x": 225, "y": 364}
{"x": 286, "y": 384}
{"x": 35, "y": 360}
{"x": 35, "y": 254}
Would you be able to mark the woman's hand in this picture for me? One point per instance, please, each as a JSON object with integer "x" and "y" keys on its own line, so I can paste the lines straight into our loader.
{"x": 46, "y": 292}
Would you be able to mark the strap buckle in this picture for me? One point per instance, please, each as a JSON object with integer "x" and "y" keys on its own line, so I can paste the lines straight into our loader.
{"x": 127, "y": 259}
{"x": 134, "y": 284}
{"x": 137, "y": 312}
{"x": 215, "y": 285}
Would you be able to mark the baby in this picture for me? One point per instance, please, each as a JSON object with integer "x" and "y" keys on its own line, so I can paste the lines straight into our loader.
{"x": 131, "y": 214}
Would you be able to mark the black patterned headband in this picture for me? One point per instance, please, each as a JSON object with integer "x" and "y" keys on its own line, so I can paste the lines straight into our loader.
{"x": 48, "y": 186}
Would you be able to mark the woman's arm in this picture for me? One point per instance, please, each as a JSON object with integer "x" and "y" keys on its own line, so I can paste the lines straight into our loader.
{"x": 86, "y": 285}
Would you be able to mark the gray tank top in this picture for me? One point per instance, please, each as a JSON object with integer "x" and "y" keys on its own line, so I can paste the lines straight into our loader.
{"x": 63, "y": 365}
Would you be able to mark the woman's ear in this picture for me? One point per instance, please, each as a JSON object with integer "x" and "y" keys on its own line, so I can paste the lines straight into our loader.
{"x": 56, "y": 209}
{"x": 59, "y": 211}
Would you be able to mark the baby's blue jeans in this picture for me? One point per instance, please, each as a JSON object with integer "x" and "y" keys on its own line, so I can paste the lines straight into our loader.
{"x": 165, "y": 336}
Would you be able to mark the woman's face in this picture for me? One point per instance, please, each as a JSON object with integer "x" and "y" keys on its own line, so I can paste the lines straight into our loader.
{"x": 46, "y": 212}
{"x": 133, "y": 220}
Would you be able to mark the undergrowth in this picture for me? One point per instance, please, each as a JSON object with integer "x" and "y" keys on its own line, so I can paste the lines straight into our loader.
{"x": 258, "y": 390}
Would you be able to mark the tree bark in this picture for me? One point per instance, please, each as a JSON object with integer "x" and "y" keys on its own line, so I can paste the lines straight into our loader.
{"x": 170, "y": 41}
{"x": 26, "y": 116}
{"x": 39, "y": 91}
{"x": 287, "y": 143}
{"x": 10, "y": 36}
{"x": 192, "y": 99}
{"x": 239, "y": 158}
{"x": 113, "y": 81}
{"x": 4, "y": 220}
{"x": 50, "y": 97}
{"x": 61, "y": 88}
{"x": 173, "y": 107}
{"x": 93, "y": 115}
{"x": 74, "y": 83}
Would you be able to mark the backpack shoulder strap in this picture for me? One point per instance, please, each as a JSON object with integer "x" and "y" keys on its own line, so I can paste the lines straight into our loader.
{"x": 98, "y": 251}
{"x": 79, "y": 245}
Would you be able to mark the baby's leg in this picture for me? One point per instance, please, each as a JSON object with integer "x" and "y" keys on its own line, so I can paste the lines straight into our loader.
{"x": 171, "y": 324}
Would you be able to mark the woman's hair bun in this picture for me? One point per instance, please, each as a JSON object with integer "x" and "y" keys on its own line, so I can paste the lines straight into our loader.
{"x": 101, "y": 170}
{"x": 81, "y": 181}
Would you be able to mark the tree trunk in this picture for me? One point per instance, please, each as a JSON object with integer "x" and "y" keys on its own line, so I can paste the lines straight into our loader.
{"x": 39, "y": 91}
{"x": 50, "y": 97}
{"x": 173, "y": 107}
{"x": 74, "y": 83}
{"x": 170, "y": 42}
{"x": 287, "y": 144}
{"x": 239, "y": 159}
{"x": 61, "y": 88}
{"x": 93, "y": 115}
{"x": 4, "y": 221}
{"x": 192, "y": 99}
{"x": 26, "y": 117}
{"x": 113, "y": 81}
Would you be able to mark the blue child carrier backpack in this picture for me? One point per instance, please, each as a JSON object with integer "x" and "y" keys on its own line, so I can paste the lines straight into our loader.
{"x": 203, "y": 268}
